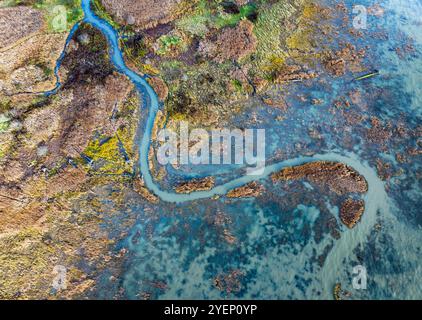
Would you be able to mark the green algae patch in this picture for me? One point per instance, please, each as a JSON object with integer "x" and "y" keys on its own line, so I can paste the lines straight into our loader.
{"x": 149, "y": 69}
{"x": 269, "y": 34}
{"x": 4, "y": 123}
{"x": 103, "y": 14}
{"x": 300, "y": 40}
{"x": 286, "y": 35}
{"x": 108, "y": 156}
{"x": 169, "y": 43}
{"x": 231, "y": 20}
{"x": 207, "y": 15}
{"x": 61, "y": 15}
{"x": 114, "y": 154}
{"x": 134, "y": 50}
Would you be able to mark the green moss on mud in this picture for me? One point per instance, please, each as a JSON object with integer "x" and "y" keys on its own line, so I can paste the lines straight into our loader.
{"x": 4, "y": 123}
{"x": 168, "y": 42}
{"x": 269, "y": 32}
{"x": 103, "y": 14}
{"x": 207, "y": 15}
{"x": 231, "y": 20}
{"x": 112, "y": 155}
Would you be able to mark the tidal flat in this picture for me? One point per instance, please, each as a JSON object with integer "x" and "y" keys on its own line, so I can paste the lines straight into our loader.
{"x": 81, "y": 187}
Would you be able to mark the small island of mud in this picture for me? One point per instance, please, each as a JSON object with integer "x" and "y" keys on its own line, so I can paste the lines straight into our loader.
{"x": 196, "y": 185}
{"x": 251, "y": 190}
{"x": 339, "y": 178}
{"x": 351, "y": 212}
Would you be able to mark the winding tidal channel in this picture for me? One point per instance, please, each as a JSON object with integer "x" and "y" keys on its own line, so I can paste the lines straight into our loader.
{"x": 376, "y": 199}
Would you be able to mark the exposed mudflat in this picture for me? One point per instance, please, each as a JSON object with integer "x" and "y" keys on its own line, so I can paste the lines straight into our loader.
{"x": 143, "y": 14}
{"x": 338, "y": 177}
{"x": 17, "y": 23}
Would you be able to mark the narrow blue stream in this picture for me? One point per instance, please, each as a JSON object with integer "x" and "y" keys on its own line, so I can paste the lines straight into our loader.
{"x": 152, "y": 106}
{"x": 60, "y": 60}
{"x": 376, "y": 199}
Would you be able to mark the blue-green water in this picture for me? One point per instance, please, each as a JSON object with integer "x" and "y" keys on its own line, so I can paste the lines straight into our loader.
{"x": 151, "y": 105}
{"x": 277, "y": 241}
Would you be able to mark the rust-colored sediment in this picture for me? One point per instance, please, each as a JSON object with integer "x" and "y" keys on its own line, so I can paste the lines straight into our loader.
{"x": 196, "y": 185}
{"x": 351, "y": 212}
{"x": 142, "y": 13}
{"x": 339, "y": 178}
{"x": 250, "y": 190}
